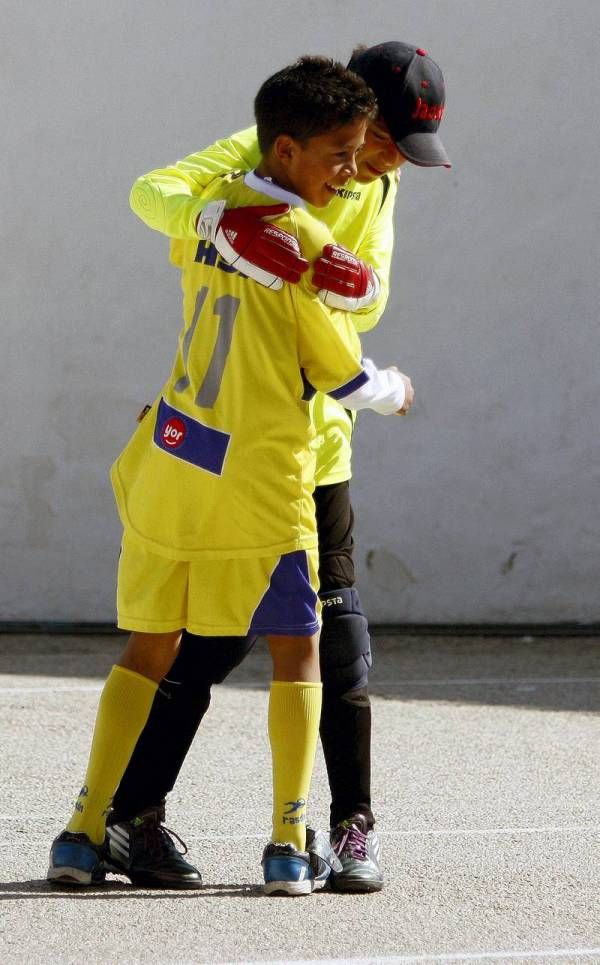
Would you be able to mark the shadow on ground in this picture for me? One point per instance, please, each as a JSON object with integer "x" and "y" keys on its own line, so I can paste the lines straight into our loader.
{"x": 115, "y": 890}
{"x": 550, "y": 673}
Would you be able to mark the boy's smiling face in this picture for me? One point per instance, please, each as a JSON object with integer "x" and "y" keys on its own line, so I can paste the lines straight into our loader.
{"x": 316, "y": 168}
{"x": 379, "y": 154}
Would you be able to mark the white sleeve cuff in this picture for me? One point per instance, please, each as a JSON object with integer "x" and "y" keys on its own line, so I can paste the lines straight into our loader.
{"x": 384, "y": 391}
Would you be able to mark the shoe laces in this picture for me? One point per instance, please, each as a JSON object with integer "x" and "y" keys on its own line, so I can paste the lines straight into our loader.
{"x": 159, "y": 839}
{"x": 349, "y": 839}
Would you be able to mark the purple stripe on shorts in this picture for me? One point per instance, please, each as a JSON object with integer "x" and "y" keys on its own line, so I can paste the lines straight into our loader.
{"x": 190, "y": 440}
{"x": 349, "y": 387}
{"x": 289, "y": 606}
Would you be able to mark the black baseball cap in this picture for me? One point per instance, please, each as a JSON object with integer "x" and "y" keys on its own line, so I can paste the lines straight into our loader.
{"x": 410, "y": 92}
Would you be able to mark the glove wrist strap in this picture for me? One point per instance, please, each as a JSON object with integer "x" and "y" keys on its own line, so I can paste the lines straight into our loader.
{"x": 208, "y": 221}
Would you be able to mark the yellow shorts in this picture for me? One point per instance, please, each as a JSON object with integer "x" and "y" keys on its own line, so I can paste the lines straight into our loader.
{"x": 265, "y": 595}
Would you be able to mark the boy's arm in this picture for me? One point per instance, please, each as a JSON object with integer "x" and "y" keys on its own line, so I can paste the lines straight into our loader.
{"x": 169, "y": 200}
{"x": 330, "y": 357}
{"x": 387, "y": 391}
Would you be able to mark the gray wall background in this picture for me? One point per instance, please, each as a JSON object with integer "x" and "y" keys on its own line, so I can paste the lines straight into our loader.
{"x": 482, "y": 504}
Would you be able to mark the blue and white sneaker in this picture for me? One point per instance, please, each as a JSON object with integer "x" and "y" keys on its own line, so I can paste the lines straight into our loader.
{"x": 291, "y": 872}
{"x": 75, "y": 860}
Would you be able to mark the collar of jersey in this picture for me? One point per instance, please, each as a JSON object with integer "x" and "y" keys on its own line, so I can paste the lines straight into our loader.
{"x": 268, "y": 187}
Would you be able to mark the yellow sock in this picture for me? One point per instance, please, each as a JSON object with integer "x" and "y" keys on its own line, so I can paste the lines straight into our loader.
{"x": 123, "y": 710}
{"x": 294, "y": 715}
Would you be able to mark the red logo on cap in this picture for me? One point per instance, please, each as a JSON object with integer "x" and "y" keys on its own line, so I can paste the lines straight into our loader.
{"x": 421, "y": 52}
{"x": 427, "y": 112}
{"x": 173, "y": 432}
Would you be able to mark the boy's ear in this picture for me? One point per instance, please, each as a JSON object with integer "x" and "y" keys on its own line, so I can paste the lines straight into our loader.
{"x": 285, "y": 148}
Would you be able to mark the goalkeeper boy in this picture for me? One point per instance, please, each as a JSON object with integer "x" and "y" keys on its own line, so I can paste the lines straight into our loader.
{"x": 206, "y": 548}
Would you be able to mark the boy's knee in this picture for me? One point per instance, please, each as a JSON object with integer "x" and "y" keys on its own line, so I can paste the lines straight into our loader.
{"x": 295, "y": 658}
{"x": 151, "y": 654}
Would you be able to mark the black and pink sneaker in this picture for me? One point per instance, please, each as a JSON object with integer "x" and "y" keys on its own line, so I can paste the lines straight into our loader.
{"x": 358, "y": 849}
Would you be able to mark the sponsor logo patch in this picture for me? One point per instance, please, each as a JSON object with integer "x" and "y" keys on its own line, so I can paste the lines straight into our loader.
{"x": 188, "y": 439}
{"x": 173, "y": 432}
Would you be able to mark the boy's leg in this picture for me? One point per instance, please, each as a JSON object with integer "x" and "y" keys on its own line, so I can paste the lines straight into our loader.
{"x": 346, "y": 715}
{"x": 294, "y": 714}
{"x": 123, "y": 710}
{"x": 181, "y": 702}
{"x": 139, "y": 844}
{"x": 345, "y": 660}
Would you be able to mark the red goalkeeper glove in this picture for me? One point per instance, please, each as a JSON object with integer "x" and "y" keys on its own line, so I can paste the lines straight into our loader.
{"x": 343, "y": 280}
{"x": 262, "y": 251}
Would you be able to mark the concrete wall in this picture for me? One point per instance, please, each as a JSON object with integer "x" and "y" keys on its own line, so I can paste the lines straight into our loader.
{"x": 482, "y": 504}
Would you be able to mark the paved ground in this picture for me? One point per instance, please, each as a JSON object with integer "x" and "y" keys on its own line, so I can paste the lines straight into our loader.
{"x": 486, "y": 787}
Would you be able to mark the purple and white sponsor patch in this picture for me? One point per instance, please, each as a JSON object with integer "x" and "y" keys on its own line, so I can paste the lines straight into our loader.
{"x": 190, "y": 440}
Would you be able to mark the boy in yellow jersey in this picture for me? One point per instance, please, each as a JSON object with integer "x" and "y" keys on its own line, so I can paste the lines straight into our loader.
{"x": 214, "y": 488}
{"x": 410, "y": 94}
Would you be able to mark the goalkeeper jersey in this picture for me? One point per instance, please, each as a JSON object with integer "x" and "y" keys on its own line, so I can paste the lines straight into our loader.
{"x": 359, "y": 217}
{"x": 221, "y": 466}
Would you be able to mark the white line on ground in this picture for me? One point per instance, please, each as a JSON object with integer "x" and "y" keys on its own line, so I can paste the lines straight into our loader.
{"x": 486, "y": 681}
{"x": 432, "y": 832}
{"x": 74, "y": 689}
{"x": 566, "y": 953}
{"x": 411, "y": 833}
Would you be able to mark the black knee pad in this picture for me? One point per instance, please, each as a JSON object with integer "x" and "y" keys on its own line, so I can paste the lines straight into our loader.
{"x": 345, "y": 645}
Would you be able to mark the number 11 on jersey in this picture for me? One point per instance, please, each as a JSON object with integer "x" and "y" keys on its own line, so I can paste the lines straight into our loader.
{"x": 225, "y": 308}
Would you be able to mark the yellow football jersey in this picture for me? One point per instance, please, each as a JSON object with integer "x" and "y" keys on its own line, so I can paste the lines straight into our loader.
{"x": 359, "y": 217}
{"x": 221, "y": 466}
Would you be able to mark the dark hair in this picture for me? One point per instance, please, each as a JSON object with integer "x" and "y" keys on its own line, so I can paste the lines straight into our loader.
{"x": 308, "y": 98}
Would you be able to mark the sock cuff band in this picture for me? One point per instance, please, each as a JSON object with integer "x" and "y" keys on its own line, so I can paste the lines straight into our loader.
{"x": 297, "y": 684}
{"x": 133, "y": 676}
